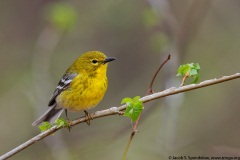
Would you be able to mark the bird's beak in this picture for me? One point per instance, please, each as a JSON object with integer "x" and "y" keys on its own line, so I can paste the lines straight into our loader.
{"x": 108, "y": 60}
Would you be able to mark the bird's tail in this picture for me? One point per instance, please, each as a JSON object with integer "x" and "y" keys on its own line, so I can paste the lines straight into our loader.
{"x": 51, "y": 115}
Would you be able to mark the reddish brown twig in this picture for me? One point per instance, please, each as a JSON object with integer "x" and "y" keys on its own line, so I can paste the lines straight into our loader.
{"x": 155, "y": 75}
{"x": 150, "y": 91}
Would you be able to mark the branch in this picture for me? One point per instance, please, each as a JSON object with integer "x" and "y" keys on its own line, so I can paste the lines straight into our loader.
{"x": 116, "y": 110}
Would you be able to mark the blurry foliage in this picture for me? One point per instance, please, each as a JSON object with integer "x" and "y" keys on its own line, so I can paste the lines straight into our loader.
{"x": 62, "y": 15}
{"x": 159, "y": 42}
{"x": 150, "y": 19}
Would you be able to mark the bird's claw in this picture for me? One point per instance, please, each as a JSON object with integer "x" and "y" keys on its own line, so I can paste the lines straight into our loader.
{"x": 88, "y": 117}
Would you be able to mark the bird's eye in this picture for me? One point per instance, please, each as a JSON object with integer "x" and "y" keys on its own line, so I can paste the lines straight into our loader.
{"x": 94, "y": 61}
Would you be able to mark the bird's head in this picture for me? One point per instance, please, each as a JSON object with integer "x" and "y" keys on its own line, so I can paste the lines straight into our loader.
{"x": 92, "y": 62}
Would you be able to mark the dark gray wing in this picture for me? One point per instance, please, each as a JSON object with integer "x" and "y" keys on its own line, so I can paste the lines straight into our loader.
{"x": 62, "y": 85}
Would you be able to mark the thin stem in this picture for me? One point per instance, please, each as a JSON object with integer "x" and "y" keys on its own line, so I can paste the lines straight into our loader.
{"x": 150, "y": 90}
{"x": 155, "y": 75}
{"x": 184, "y": 79}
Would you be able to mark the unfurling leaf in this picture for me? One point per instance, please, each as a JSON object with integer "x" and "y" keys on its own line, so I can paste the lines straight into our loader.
{"x": 45, "y": 126}
{"x": 60, "y": 122}
{"x": 134, "y": 107}
{"x": 189, "y": 70}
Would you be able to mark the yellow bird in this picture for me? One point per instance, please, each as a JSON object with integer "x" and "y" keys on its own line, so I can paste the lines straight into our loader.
{"x": 82, "y": 86}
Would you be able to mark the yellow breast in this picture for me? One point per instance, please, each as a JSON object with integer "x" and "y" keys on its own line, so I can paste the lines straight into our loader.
{"x": 85, "y": 92}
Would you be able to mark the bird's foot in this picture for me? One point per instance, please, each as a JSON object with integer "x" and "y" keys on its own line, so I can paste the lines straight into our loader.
{"x": 88, "y": 117}
{"x": 69, "y": 126}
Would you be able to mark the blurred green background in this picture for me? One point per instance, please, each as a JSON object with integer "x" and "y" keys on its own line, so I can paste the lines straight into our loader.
{"x": 40, "y": 39}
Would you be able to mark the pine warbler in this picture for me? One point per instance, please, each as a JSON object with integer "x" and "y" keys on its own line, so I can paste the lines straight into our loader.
{"x": 81, "y": 87}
